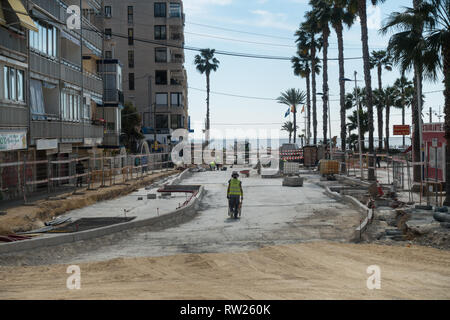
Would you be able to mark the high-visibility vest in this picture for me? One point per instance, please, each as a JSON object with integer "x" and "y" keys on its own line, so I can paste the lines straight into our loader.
{"x": 235, "y": 187}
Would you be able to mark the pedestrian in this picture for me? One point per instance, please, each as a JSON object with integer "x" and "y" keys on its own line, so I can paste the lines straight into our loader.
{"x": 235, "y": 193}
{"x": 79, "y": 169}
{"x": 378, "y": 161}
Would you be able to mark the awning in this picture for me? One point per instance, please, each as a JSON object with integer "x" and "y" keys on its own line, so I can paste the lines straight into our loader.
{"x": 97, "y": 100}
{"x": 25, "y": 20}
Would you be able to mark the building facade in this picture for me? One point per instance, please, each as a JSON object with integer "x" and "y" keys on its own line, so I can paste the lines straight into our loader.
{"x": 51, "y": 88}
{"x": 148, "y": 38}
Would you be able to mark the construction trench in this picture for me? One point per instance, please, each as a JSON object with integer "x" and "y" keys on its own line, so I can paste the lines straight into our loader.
{"x": 273, "y": 216}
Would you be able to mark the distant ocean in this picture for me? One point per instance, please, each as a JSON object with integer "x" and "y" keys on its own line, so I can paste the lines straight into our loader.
{"x": 394, "y": 142}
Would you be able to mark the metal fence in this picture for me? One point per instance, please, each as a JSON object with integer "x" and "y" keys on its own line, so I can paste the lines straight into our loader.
{"x": 26, "y": 178}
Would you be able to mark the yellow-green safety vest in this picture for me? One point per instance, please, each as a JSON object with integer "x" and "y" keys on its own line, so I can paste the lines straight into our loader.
{"x": 235, "y": 187}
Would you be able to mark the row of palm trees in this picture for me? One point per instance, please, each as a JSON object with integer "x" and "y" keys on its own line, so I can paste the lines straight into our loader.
{"x": 419, "y": 42}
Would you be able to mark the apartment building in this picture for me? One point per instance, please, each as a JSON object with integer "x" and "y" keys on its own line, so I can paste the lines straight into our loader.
{"x": 148, "y": 38}
{"x": 51, "y": 88}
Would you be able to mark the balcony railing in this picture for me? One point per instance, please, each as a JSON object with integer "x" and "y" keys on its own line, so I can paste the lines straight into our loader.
{"x": 111, "y": 139}
{"x": 11, "y": 115}
{"x": 112, "y": 96}
{"x": 52, "y": 7}
{"x": 11, "y": 42}
{"x": 66, "y": 130}
{"x": 70, "y": 74}
{"x": 44, "y": 65}
{"x": 93, "y": 83}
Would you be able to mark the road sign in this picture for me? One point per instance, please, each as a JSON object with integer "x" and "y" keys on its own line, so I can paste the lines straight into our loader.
{"x": 434, "y": 142}
{"x": 402, "y": 130}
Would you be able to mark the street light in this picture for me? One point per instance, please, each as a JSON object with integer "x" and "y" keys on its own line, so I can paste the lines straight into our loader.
{"x": 359, "y": 126}
{"x": 329, "y": 119}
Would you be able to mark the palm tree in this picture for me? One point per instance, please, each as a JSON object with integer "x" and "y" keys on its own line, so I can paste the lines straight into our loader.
{"x": 436, "y": 16}
{"x": 363, "y": 121}
{"x": 341, "y": 15}
{"x": 390, "y": 95}
{"x": 409, "y": 50}
{"x": 288, "y": 126}
{"x": 293, "y": 98}
{"x": 321, "y": 13}
{"x": 380, "y": 59}
{"x": 406, "y": 91}
{"x": 301, "y": 65}
{"x": 362, "y": 12}
{"x": 307, "y": 40}
{"x": 205, "y": 63}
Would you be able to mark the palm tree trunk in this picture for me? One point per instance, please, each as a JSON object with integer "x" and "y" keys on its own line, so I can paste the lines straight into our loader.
{"x": 366, "y": 58}
{"x": 313, "y": 84}
{"x": 446, "y": 58}
{"x": 340, "y": 39}
{"x": 207, "y": 108}
{"x": 326, "y": 34}
{"x": 380, "y": 112}
{"x": 388, "y": 111}
{"x": 308, "y": 109}
{"x": 416, "y": 118}
{"x": 295, "y": 124}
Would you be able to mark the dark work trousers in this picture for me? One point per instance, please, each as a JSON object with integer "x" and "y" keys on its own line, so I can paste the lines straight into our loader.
{"x": 234, "y": 203}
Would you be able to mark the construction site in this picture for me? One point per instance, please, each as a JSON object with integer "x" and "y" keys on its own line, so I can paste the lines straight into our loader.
{"x": 305, "y": 232}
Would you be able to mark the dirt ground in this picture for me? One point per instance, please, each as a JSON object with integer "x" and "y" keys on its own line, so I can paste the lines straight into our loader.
{"x": 316, "y": 270}
{"x": 25, "y": 218}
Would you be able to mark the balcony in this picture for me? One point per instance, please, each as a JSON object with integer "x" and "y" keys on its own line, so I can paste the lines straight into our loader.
{"x": 92, "y": 82}
{"x": 11, "y": 42}
{"x": 70, "y": 73}
{"x": 51, "y": 7}
{"x": 111, "y": 139}
{"x": 43, "y": 65}
{"x": 67, "y": 130}
{"x": 113, "y": 96}
{"x": 12, "y": 115}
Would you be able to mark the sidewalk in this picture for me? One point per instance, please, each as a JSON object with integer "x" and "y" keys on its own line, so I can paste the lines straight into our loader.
{"x": 17, "y": 216}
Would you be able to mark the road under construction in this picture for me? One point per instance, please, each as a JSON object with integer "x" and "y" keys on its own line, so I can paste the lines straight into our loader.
{"x": 291, "y": 242}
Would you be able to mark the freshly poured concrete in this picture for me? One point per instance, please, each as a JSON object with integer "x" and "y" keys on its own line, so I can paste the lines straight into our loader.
{"x": 271, "y": 214}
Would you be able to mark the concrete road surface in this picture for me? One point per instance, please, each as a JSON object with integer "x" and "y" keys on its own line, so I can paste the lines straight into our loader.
{"x": 271, "y": 215}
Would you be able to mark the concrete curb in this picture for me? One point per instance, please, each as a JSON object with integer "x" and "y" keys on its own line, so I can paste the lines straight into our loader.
{"x": 160, "y": 221}
{"x": 364, "y": 210}
{"x": 353, "y": 181}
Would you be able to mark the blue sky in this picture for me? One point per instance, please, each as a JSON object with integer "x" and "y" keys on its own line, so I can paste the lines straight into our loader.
{"x": 267, "y": 78}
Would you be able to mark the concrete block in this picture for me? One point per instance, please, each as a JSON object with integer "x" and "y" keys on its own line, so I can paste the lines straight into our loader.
{"x": 151, "y": 196}
{"x": 293, "y": 182}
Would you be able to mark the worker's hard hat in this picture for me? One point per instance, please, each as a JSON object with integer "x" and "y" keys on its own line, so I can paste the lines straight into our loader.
{"x": 235, "y": 174}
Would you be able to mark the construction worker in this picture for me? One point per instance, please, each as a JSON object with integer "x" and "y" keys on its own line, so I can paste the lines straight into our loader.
{"x": 234, "y": 193}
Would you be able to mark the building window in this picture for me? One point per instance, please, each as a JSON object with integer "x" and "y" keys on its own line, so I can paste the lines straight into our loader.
{"x": 130, "y": 14}
{"x": 131, "y": 81}
{"x": 161, "y": 77}
{"x": 70, "y": 106}
{"x": 108, "y": 13}
{"x": 108, "y": 54}
{"x": 86, "y": 109}
{"x": 176, "y": 121}
{"x": 44, "y": 40}
{"x": 130, "y": 36}
{"x": 160, "y": 54}
{"x": 108, "y": 34}
{"x": 13, "y": 84}
{"x": 162, "y": 99}
{"x": 176, "y": 99}
{"x": 162, "y": 121}
{"x": 175, "y": 10}
{"x": 160, "y": 33}
{"x": 160, "y": 9}
{"x": 130, "y": 59}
